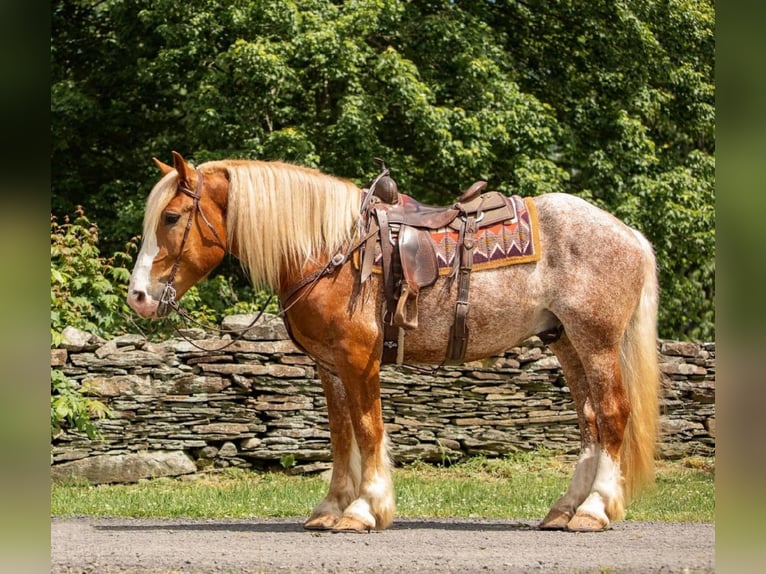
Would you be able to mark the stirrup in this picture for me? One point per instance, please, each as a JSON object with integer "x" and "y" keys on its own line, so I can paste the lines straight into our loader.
{"x": 400, "y": 316}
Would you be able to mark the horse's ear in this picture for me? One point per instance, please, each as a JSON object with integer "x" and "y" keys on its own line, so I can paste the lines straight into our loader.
{"x": 164, "y": 168}
{"x": 180, "y": 165}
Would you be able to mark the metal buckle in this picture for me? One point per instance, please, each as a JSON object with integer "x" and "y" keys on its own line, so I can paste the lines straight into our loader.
{"x": 168, "y": 294}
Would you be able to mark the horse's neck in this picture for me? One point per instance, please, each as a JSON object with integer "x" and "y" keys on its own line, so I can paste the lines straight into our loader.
{"x": 282, "y": 236}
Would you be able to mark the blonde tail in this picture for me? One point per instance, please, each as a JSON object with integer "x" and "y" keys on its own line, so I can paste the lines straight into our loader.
{"x": 641, "y": 375}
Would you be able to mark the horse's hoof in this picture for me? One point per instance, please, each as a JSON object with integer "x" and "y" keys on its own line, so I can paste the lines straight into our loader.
{"x": 351, "y": 524}
{"x": 555, "y": 520}
{"x": 587, "y": 523}
{"x": 321, "y": 522}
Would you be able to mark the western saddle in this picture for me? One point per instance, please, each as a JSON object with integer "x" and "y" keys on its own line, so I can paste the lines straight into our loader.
{"x": 403, "y": 226}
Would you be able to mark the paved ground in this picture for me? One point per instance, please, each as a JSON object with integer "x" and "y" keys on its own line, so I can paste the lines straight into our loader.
{"x": 105, "y": 546}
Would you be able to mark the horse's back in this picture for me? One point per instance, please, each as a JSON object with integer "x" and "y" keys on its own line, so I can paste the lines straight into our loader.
{"x": 590, "y": 269}
{"x": 565, "y": 216}
{"x": 582, "y": 236}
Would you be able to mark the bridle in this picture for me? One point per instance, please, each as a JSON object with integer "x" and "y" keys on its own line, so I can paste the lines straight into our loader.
{"x": 168, "y": 296}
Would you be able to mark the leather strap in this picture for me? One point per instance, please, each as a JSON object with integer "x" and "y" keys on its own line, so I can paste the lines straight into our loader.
{"x": 368, "y": 256}
{"x": 460, "y": 332}
{"x": 391, "y": 352}
{"x": 387, "y": 251}
{"x": 168, "y": 296}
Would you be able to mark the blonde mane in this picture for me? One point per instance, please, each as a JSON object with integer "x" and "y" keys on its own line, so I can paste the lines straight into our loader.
{"x": 161, "y": 194}
{"x": 282, "y": 216}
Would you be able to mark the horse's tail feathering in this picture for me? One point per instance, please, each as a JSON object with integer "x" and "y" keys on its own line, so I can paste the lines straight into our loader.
{"x": 640, "y": 370}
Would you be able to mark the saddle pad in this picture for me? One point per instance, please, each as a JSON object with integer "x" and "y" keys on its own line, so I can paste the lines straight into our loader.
{"x": 505, "y": 243}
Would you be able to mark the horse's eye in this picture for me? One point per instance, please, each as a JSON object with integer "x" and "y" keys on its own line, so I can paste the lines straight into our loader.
{"x": 171, "y": 218}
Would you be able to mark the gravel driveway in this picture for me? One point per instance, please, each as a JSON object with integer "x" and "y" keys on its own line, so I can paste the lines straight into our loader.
{"x": 104, "y": 546}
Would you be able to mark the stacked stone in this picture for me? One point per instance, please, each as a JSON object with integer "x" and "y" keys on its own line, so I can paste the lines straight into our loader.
{"x": 177, "y": 409}
{"x": 688, "y": 403}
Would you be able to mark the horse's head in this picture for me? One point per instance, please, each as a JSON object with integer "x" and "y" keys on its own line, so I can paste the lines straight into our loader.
{"x": 184, "y": 236}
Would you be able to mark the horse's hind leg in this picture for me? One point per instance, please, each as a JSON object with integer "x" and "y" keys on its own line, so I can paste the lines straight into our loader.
{"x": 565, "y": 507}
{"x": 608, "y": 396}
{"x": 346, "y": 468}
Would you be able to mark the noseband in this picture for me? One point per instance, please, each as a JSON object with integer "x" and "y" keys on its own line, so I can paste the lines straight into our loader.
{"x": 168, "y": 296}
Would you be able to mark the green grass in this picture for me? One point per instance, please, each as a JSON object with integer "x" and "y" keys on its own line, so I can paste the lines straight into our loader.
{"x": 683, "y": 492}
{"x": 230, "y": 494}
{"x": 520, "y": 486}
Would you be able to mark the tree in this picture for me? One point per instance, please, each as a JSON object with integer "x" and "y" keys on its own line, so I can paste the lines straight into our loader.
{"x": 632, "y": 87}
{"x": 612, "y": 101}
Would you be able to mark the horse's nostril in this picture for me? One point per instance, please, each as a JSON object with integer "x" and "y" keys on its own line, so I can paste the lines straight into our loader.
{"x": 139, "y": 296}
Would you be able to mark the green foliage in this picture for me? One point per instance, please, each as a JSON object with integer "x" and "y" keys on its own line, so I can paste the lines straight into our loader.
{"x": 212, "y": 300}
{"x": 287, "y": 461}
{"x": 612, "y": 101}
{"x": 631, "y": 84}
{"x": 71, "y": 409}
{"x": 87, "y": 290}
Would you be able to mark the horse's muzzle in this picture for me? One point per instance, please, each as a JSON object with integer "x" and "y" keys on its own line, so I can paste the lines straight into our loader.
{"x": 145, "y": 305}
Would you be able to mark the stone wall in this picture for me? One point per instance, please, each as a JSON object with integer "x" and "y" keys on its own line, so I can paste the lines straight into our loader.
{"x": 259, "y": 403}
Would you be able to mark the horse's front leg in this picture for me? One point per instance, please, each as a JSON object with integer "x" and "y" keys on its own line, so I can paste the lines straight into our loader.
{"x": 373, "y": 507}
{"x": 346, "y": 471}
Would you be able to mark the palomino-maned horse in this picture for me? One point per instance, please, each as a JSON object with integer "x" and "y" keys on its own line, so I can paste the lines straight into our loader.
{"x": 595, "y": 279}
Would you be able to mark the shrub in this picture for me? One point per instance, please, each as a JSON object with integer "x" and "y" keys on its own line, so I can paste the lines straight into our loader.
{"x": 87, "y": 290}
{"x": 71, "y": 409}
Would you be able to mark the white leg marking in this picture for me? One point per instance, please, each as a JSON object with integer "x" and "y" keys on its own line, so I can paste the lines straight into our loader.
{"x": 360, "y": 509}
{"x": 584, "y": 475}
{"x": 355, "y": 467}
{"x": 342, "y": 491}
{"x": 606, "y": 490}
{"x": 376, "y": 496}
{"x": 379, "y": 488}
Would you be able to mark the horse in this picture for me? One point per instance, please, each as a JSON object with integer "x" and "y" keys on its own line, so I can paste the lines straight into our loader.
{"x": 596, "y": 280}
